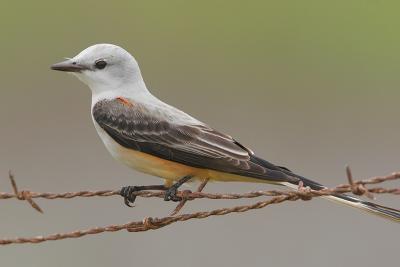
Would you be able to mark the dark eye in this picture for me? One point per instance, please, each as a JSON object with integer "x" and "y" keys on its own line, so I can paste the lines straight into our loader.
{"x": 100, "y": 64}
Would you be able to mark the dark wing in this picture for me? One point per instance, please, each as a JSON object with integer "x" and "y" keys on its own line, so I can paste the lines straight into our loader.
{"x": 132, "y": 126}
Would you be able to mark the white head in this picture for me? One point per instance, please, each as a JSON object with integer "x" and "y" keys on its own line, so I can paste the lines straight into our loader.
{"x": 105, "y": 67}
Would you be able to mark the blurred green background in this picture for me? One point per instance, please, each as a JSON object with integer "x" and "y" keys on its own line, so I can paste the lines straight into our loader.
{"x": 312, "y": 85}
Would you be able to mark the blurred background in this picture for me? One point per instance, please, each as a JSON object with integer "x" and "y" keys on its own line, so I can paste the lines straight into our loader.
{"x": 311, "y": 85}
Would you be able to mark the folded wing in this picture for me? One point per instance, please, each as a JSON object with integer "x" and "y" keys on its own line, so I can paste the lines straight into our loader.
{"x": 135, "y": 127}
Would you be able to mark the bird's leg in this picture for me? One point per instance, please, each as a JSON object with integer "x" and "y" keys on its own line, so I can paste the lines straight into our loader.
{"x": 170, "y": 193}
{"x": 127, "y": 192}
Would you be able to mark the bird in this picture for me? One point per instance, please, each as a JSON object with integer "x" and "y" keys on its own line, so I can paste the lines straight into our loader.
{"x": 153, "y": 137}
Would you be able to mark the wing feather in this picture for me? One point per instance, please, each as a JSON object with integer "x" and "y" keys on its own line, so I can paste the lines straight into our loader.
{"x": 196, "y": 145}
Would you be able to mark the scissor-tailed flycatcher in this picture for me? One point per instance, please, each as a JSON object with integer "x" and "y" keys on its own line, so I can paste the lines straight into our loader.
{"x": 155, "y": 138}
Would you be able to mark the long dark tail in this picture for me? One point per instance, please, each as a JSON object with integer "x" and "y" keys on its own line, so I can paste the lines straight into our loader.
{"x": 382, "y": 211}
{"x": 354, "y": 202}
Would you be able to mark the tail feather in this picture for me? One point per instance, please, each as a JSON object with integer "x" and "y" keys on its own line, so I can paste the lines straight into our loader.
{"x": 389, "y": 213}
{"x": 382, "y": 211}
{"x": 370, "y": 207}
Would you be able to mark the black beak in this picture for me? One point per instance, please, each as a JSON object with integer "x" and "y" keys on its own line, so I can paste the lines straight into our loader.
{"x": 69, "y": 66}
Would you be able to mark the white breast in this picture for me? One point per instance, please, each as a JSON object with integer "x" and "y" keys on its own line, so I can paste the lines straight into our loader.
{"x": 120, "y": 153}
{"x": 113, "y": 147}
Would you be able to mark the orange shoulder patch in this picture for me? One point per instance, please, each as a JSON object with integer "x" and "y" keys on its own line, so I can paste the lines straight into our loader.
{"x": 125, "y": 101}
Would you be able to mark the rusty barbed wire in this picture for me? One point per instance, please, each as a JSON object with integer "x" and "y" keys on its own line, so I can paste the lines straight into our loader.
{"x": 342, "y": 188}
{"x": 276, "y": 196}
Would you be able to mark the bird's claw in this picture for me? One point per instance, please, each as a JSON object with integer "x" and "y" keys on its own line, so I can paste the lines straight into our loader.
{"x": 127, "y": 193}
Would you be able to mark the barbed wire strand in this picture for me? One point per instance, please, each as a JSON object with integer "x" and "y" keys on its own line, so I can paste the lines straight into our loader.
{"x": 149, "y": 223}
{"x": 342, "y": 188}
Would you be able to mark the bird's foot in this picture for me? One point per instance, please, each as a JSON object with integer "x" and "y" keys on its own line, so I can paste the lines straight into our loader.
{"x": 171, "y": 194}
{"x": 128, "y": 192}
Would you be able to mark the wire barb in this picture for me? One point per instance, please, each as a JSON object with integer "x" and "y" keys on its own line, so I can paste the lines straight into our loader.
{"x": 23, "y": 195}
{"x": 185, "y": 197}
{"x": 357, "y": 188}
{"x": 304, "y": 192}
